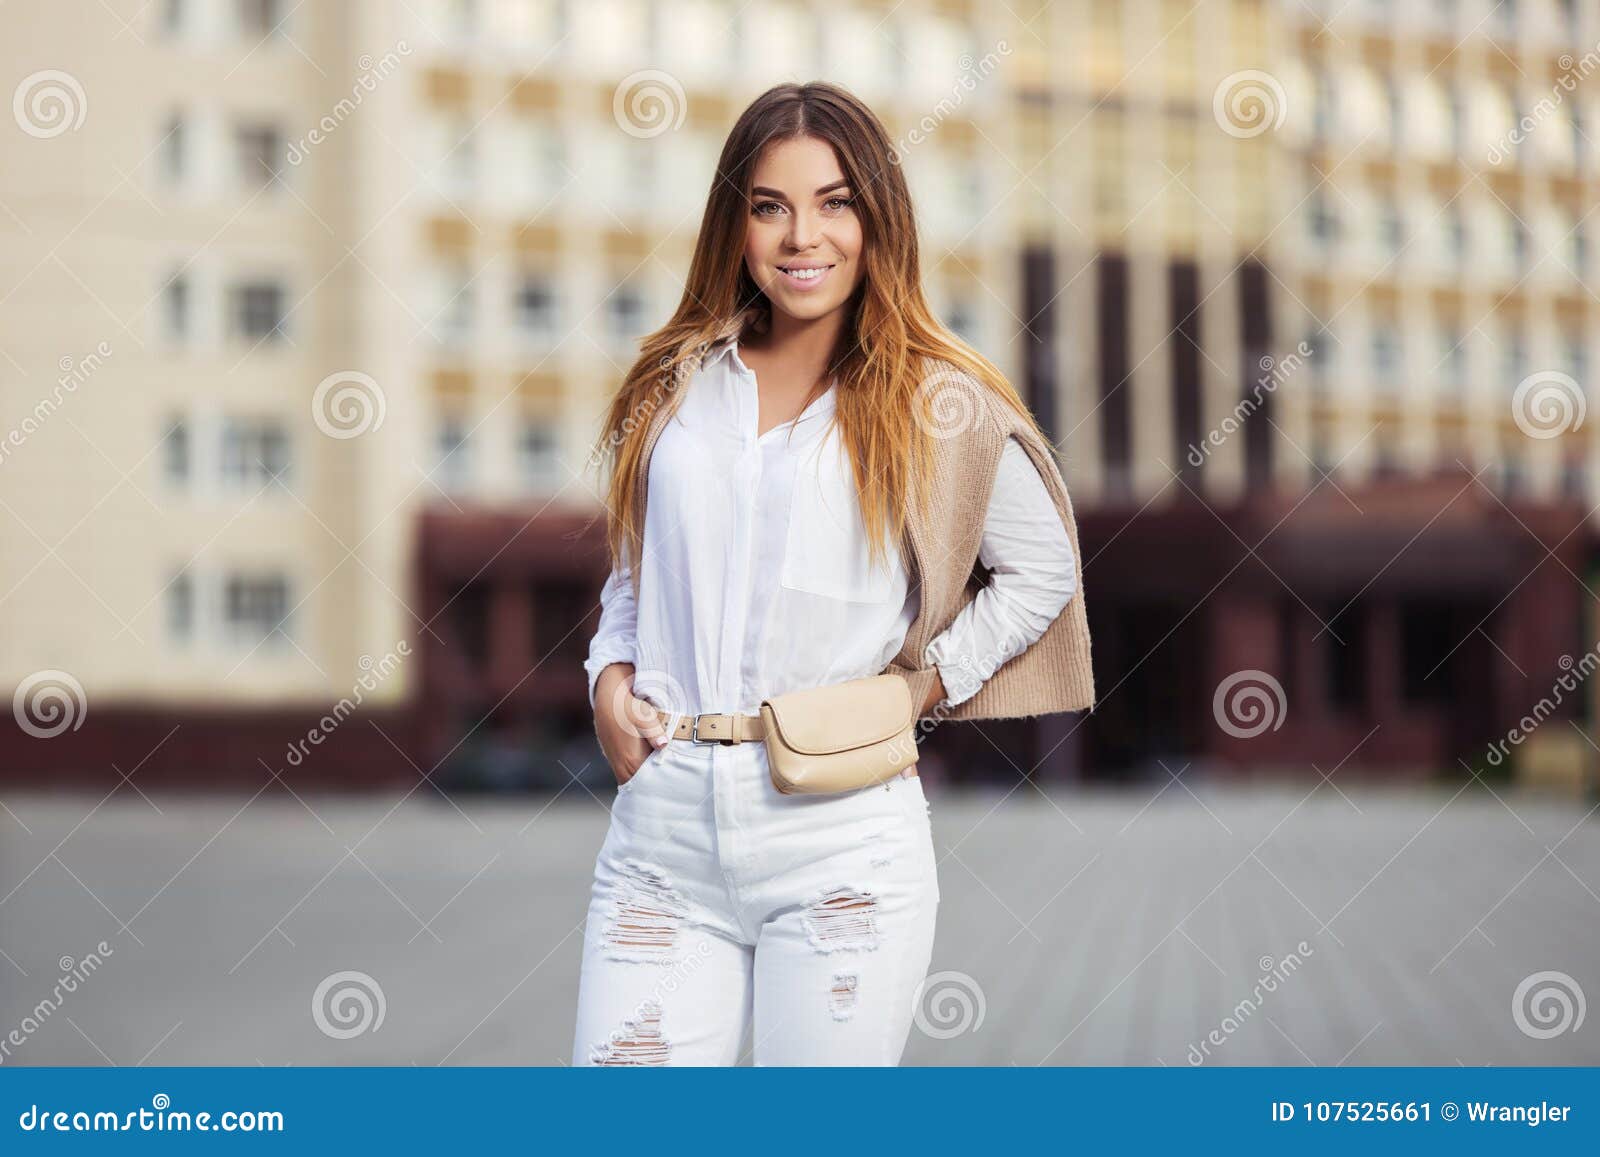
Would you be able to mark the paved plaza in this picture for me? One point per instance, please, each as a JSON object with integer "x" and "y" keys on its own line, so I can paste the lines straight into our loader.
{"x": 1281, "y": 925}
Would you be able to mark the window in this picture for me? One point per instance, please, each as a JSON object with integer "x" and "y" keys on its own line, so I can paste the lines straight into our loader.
{"x": 1324, "y": 111}
{"x": 1317, "y": 360}
{"x": 962, "y": 321}
{"x": 174, "y": 150}
{"x": 254, "y": 451}
{"x": 1391, "y": 227}
{"x": 258, "y": 311}
{"x": 180, "y": 607}
{"x": 175, "y": 307}
{"x": 464, "y": 18}
{"x": 458, "y": 167}
{"x": 1517, "y": 236}
{"x": 1386, "y": 353}
{"x": 1386, "y": 456}
{"x": 453, "y": 319}
{"x": 1455, "y": 234}
{"x": 1397, "y": 113}
{"x": 1516, "y": 357}
{"x": 625, "y": 312}
{"x": 1346, "y": 669}
{"x": 255, "y": 607}
{"x": 550, "y": 160}
{"x": 639, "y": 173}
{"x": 1513, "y": 471}
{"x": 175, "y": 452}
{"x": 1324, "y": 222}
{"x": 453, "y": 461}
{"x": 259, "y": 17}
{"x": 1575, "y": 356}
{"x": 1575, "y": 478}
{"x": 536, "y": 306}
{"x": 536, "y": 455}
{"x": 258, "y": 153}
{"x": 1452, "y": 368}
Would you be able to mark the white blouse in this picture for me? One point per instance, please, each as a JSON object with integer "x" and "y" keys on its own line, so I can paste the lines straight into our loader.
{"x": 756, "y": 579}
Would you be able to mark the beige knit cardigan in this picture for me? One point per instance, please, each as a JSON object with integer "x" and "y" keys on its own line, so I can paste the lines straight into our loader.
{"x": 1054, "y": 673}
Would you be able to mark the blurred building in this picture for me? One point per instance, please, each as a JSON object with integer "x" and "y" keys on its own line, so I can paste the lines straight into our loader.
{"x": 368, "y": 273}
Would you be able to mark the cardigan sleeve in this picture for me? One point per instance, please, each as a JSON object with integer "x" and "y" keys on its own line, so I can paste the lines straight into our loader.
{"x": 1032, "y": 578}
{"x": 615, "y": 641}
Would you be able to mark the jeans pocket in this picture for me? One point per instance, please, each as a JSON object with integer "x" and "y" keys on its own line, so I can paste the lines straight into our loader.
{"x": 649, "y": 763}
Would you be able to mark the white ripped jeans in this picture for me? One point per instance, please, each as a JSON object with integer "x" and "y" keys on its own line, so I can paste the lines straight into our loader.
{"x": 721, "y": 905}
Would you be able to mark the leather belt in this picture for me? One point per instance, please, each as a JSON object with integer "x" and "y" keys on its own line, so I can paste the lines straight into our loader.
{"x": 715, "y": 727}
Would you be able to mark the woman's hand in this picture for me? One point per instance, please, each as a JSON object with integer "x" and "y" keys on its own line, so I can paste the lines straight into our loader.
{"x": 629, "y": 728}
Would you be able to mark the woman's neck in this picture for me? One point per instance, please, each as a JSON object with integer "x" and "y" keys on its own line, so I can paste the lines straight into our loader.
{"x": 805, "y": 348}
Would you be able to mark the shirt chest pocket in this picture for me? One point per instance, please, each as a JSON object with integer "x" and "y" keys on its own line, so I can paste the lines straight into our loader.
{"x": 825, "y": 546}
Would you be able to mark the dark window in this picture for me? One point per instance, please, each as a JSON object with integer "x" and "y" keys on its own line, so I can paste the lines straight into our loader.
{"x": 536, "y": 306}
{"x": 1346, "y": 661}
{"x": 1116, "y": 432}
{"x": 255, "y": 608}
{"x": 1183, "y": 288}
{"x": 259, "y": 154}
{"x": 180, "y": 607}
{"x": 259, "y": 17}
{"x": 468, "y": 617}
{"x": 176, "y": 306}
{"x": 258, "y": 311}
{"x": 175, "y": 452}
{"x": 1255, "y": 324}
{"x": 1039, "y": 292}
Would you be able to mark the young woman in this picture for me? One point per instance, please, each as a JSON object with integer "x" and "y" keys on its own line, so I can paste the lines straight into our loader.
{"x": 810, "y": 471}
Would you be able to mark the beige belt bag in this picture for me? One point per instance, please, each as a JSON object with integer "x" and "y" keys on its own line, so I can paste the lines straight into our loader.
{"x": 840, "y": 737}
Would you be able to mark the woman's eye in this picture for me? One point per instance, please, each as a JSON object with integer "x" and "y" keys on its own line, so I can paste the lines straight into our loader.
{"x": 839, "y": 201}
{"x": 767, "y": 205}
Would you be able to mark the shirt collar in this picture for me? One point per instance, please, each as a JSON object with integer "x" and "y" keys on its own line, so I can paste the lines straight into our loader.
{"x": 723, "y": 351}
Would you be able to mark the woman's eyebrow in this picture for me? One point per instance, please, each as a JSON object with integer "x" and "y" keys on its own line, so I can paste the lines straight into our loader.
{"x": 766, "y": 192}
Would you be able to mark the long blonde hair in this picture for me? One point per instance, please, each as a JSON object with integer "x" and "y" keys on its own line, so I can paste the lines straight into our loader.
{"x": 889, "y": 345}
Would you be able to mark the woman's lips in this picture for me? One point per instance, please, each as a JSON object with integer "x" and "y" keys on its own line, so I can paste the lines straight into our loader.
{"x": 805, "y": 283}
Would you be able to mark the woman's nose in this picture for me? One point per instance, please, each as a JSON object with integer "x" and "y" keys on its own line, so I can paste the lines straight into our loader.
{"x": 802, "y": 233}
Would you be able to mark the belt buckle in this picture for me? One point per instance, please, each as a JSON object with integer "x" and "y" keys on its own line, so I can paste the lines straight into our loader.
{"x": 694, "y": 732}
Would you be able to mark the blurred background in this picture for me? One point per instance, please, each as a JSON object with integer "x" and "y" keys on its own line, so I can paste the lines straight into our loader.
{"x": 309, "y": 313}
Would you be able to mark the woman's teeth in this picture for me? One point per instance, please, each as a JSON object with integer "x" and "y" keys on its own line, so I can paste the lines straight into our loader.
{"x": 806, "y": 274}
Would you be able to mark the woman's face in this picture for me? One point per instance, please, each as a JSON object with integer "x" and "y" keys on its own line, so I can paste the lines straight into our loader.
{"x": 802, "y": 218}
